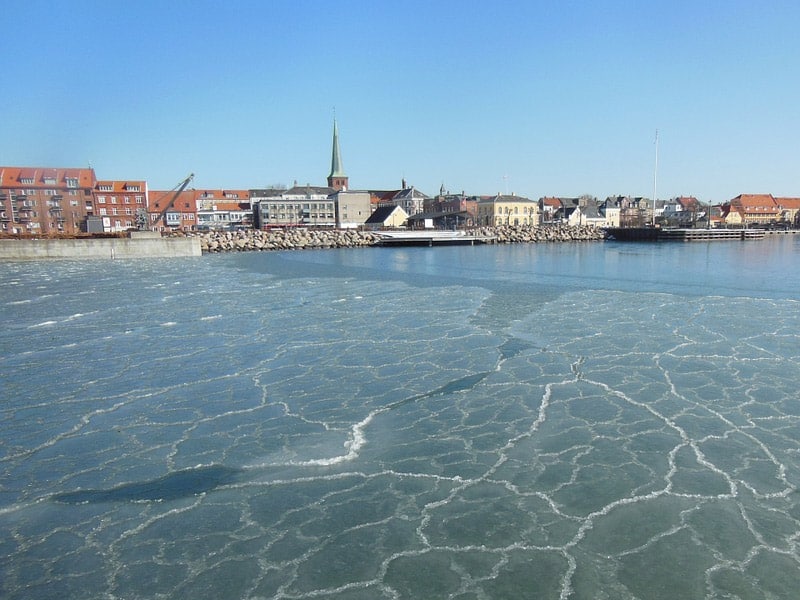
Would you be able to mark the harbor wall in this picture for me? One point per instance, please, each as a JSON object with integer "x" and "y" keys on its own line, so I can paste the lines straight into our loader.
{"x": 108, "y": 248}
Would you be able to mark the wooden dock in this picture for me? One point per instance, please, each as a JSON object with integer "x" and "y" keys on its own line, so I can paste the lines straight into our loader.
{"x": 431, "y": 238}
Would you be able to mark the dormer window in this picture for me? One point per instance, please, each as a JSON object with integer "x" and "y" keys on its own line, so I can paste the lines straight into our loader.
{"x": 27, "y": 180}
{"x": 105, "y": 188}
{"x": 72, "y": 182}
{"x": 49, "y": 180}
{"x": 132, "y": 188}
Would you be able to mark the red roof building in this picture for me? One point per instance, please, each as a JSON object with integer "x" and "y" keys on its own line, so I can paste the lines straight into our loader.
{"x": 754, "y": 209}
{"x": 173, "y": 211}
{"x": 790, "y": 210}
{"x": 45, "y": 201}
{"x": 118, "y": 202}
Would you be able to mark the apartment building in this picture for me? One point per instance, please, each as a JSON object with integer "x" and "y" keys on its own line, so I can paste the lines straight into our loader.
{"x": 45, "y": 201}
{"x": 117, "y": 203}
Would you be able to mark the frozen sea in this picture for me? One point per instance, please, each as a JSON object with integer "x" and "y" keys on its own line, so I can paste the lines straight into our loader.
{"x": 567, "y": 421}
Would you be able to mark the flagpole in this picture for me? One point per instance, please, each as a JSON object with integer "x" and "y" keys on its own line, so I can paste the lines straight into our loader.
{"x": 655, "y": 182}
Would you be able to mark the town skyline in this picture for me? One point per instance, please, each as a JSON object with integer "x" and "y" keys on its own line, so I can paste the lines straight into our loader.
{"x": 537, "y": 100}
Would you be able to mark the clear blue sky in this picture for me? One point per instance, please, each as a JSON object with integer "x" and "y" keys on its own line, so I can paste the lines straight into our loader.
{"x": 537, "y": 98}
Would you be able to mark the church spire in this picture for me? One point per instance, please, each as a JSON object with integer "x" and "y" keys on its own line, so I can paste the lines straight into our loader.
{"x": 337, "y": 179}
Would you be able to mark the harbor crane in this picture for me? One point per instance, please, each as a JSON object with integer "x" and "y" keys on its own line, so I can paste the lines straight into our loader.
{"x": 141, "y": 216}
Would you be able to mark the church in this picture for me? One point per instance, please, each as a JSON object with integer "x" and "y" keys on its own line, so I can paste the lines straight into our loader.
{"x": 331, "y": 206}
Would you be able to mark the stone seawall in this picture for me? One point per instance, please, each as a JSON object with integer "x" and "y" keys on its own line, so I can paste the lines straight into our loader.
{"x": 302, "y": 239}
{"x": 109, "y": 248}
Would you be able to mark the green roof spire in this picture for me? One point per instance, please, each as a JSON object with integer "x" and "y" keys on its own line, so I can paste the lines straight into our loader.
{"x": 336, "y": 160}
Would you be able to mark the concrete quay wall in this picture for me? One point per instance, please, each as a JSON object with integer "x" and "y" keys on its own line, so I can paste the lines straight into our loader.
{"x": 108, "y": 248}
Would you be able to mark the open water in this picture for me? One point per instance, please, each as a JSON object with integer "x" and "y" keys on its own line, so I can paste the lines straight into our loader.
{"x": 579, "y": 421}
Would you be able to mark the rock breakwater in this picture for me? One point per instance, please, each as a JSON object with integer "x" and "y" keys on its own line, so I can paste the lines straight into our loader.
{"x": 305, "y": 239}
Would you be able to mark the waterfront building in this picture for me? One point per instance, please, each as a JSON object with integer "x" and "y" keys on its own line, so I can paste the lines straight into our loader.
{"x": 445, "y": 203}
{"x": 223, "y": 209}
{"x": 790, "y": 210}
{"x": 307, "y": 206}
{"x": 43, "y": 200}
{"x": 387, "y": 217}
{"x": 632, "y": 211}
{"x": 610, "y": 212}
{"x": 753, "y": 209}
{"x": 117, "y": 203}
{"x": 353, "y": 208}
{"x": 548, "y": 208}
{"x": 682, "y": 211}
{"x": 263, "y": 196}
{"x": 410, "y": 199}
{"x": 504, "y": 209}
{"x": 173, "y": 211}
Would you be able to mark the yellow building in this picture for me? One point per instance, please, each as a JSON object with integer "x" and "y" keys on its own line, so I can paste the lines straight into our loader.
{"x": 507, "y": 210}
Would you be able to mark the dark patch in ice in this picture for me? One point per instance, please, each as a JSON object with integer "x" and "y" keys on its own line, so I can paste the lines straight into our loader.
{"x": 510, "y": 348}
{"x": 180, "y": 484}
{"x": 458, "y": 385}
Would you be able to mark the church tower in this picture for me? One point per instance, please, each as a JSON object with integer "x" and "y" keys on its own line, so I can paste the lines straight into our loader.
{"x": 337, "y": 179}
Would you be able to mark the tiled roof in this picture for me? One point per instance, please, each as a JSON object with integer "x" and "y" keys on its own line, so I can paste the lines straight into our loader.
{"x": 221, "y": 205}
{"x": 688, "y": 202}
{"x": 551, "y": 201}
{"x": 13, "y": 176}
{"x": 122, "y": 187}
{"x": 755, "y": 204}
{"x": 790, "y": 203}
{"x": 381, "y": 196}
{"x": 186, "y": 201}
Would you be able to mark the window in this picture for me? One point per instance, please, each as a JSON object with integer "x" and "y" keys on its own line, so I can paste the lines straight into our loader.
{"x": 132, "y": 188}
{"x": 72, "y": 182}
{"x": 27, "y": 180}
{"x": 105, "y": 188}
{"x": 139, "y": 199}
{"x": 127, "y": 199}
{"x": 102, "y": 210}
{"x": 114, "y": 210}
{"x": 101, "y": 199}
{"x": 113, "y": 199}
{"x": 128, "y": 211}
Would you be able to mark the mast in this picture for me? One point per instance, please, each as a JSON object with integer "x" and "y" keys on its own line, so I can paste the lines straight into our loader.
{"x": 655, "y": 182}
